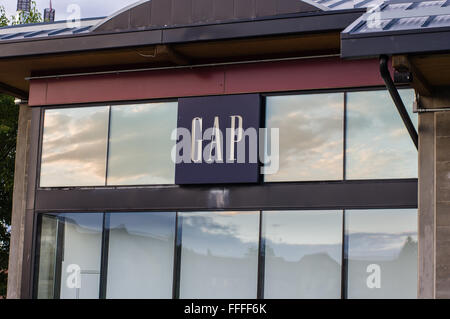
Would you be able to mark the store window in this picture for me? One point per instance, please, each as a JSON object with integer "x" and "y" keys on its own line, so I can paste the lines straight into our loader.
{"x": 131, "y": 145}
{"x": 311, "y": 136}
{"x": 140, "y": 144}
{"x": 48, "y": 250}
{"x": 382, "y": 254}
{"x": 113, "y": 146}
{"x": 303, "y": 254}
{"x": 70, "y": 255}
{"x": 294, "y": 254}
{"x": 378, "y": 144}
{"x": 74, "y": 147}
{"x": 140, "y": 255}
{"x": 219, "y": 257}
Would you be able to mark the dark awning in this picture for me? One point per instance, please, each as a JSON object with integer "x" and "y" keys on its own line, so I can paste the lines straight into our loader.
{"x": 399, "y": 27}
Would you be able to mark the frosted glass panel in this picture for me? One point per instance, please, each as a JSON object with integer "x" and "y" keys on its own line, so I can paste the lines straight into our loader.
{"x": 74, "y": 147}
{"x": 80, "y": 271}
{"x": 219, "y": 255}
{"x": 378, "y": 144}
{"x": 303, "y": 254}
{"x": 47, "y": 257}
{"x": 382, "y": 253}
{"x": 141, "y": 248}
{"x": 311, "y": 136}
{"x": 141, "y": 145}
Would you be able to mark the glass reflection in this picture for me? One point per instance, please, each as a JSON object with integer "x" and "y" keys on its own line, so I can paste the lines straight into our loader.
{"x": 303, "y": 254}
{"x": 219, "y": 255}
{"x": 140, "y": 257}
{"x": 311, "y": 136}
{"x": 81, "y": 249}
{"x": 70, "y": 254}
{"x": 47, "y": 257}
{"x": 141, "y": 145}
{"x": 378, "y": 144}
{"x": 382, "y": 253}
{"x": 74, "y": 147}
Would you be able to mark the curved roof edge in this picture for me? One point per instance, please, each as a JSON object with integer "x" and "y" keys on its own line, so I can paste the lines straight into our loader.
{"x": 146, "y": 14}
{"x": 115, "y": 14}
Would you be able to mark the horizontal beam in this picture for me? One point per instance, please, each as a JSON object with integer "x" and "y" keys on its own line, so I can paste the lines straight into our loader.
{"x": 390, "y": 43}
{"x": 327, "y": 195}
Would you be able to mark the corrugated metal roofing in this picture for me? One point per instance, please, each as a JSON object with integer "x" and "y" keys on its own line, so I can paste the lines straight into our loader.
{"x": 400, "y": 15}
{"x": 40, "y": 30}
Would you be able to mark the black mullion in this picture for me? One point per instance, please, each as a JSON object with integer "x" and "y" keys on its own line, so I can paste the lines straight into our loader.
{"x": 104, "y": 256}
{"x": 344, "y": 262}
{"x": 107, "y": 146}
{"x": 177, "y": 257}
{"x": 345, "y": 138}
{"x": 59, "y": 257}
{"x": 261, "y": 259}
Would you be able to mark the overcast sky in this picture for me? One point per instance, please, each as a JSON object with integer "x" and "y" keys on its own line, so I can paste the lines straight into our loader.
{"x": 89, "y": 8}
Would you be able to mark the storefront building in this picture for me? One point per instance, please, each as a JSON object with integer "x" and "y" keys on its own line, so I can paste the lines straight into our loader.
{"x": 341, "y": 191}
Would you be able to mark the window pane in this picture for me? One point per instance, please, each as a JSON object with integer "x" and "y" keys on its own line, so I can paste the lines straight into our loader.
{"x": 81, "y": 248}
{"x": 74, "y": 147}
{"x": 47, "y": 257}
{"x": 219, "y": 255}
{"x": 140, "y": 257}
{"x": 303, "y": 254}
{"x": 141, "y": 145}
{"x": 378, "y": 144}
{"x": 311, "y": 136}
{"x": 382, "y": 253}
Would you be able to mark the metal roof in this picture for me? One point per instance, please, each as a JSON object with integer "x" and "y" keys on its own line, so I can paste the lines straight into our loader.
{"x": 40, "y": 30}
{"x": 402, "y": 15}
{"x": 59, "y": 28}
{"x": 399, "y": 26}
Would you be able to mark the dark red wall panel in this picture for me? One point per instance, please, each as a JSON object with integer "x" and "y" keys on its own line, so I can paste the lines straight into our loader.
{"x": 302, "y": 75}
{"x": 244, "y": 78}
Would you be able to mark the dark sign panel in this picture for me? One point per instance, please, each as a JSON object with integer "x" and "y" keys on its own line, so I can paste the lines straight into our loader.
{"x": 218, "y": 139}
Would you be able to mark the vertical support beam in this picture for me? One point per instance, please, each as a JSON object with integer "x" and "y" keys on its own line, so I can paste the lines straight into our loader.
{"x": 30, "y": 220}
{"x": 442, "y": 209}
{"x": 19, "y": 204}
{"x": 426, "y": 205}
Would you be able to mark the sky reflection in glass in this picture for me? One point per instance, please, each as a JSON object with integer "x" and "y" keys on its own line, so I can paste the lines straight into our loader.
{"x": 303, "y": 254}
{"x": 378, "y": 144}
{"x": 140, "y": 256}
{"x": 219, "y": 255}
{"x": 311, "y": 136}
{"x": 382, "y": 253}
{"x": 74, "y": 147}
{"x": 140, "y": 144}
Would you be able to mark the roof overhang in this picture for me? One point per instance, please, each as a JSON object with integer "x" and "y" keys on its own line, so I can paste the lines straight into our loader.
{"x": 287, "y": 35}
{"x": 313, "y": 22}
{"x": 399, "y": 27}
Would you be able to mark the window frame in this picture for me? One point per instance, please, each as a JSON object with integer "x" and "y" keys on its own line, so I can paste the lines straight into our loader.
{"x": 177, "y": 251}
{"x": 318, "y": 195}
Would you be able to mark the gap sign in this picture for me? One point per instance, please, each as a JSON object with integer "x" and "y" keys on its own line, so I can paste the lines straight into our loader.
{"x": 217, "y": 139}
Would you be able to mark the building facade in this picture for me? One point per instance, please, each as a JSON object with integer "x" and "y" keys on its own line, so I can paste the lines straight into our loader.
{"x": 216, "y": 149}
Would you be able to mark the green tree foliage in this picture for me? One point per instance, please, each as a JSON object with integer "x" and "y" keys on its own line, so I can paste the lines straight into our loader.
{"x": 23, "y": 17}
{"x": 4, "y": 21}
{"x": 8, "y": 135}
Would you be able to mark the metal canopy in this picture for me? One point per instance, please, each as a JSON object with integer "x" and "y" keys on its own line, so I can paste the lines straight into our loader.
{"x": 92, "y": 25}
{"x": 399, "y": 26}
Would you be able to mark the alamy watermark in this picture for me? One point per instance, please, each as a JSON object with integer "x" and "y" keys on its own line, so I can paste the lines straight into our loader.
{"x": 235, "y": 146}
